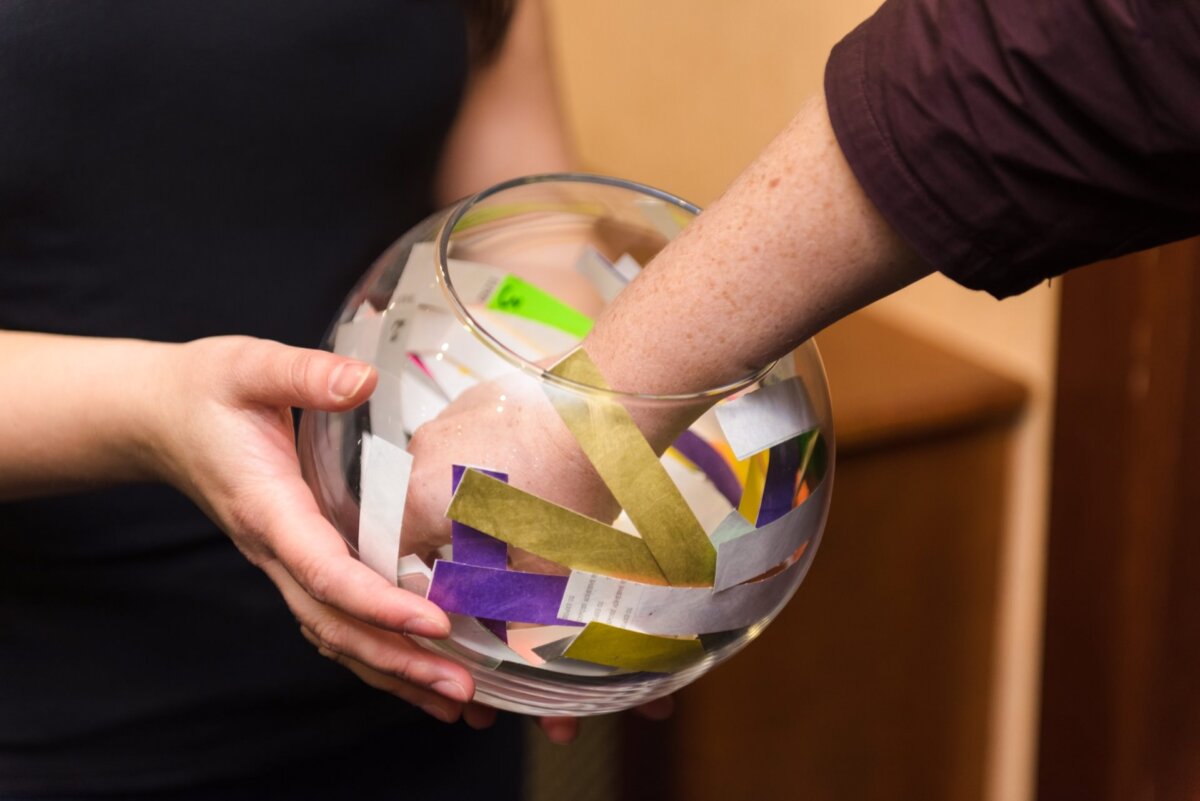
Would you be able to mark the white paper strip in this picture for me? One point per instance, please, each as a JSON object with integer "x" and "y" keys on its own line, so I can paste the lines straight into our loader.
{"x": 387, "y": 421}
{"x": 627, "y": 266}
{"x": 661, "y": 216}
{"x": 601, "y": 273}
{"x": 452, "y": 379}
{"x": 358, "y": 339}
{"x": 765, "y": 417}
{"x": 414, "y": 575}
{"x": 384, "y": 486}
{"x": 473, "y": 282}
{"x": 528, "y": 338}
{"x": 705, "y": 500}
{"x": 756, "y": 551}
{"x": 676, "y": 611}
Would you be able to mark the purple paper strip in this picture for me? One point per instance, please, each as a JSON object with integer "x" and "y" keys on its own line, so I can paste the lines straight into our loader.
{"x": 779, "y": 489}
{"x": 712, "y": 463}
{"x": 509, "y": 595}
{"x": 473, "y": 547}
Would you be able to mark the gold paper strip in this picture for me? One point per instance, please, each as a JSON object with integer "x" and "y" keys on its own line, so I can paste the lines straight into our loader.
{"x": 608, "y": 645}
{"x": 629, "y": 467}
{"x": 550, "y": 531}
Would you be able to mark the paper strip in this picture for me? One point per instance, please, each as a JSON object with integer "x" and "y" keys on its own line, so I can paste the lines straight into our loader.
{"x": 712, "y": 463}
{"x": 755, "y": 552}
{"x": 756, "y": 479}
{"x": 779, "y": 489}
{"x": 668, "y": 219}
{"x": 473, "y": 547}
{"x": 519, "y": 297}
{"x": 600, "y": 272}
{"x": 358, "y": 338}
{"x": 387, "y": 422}
{"x": 705, "y": 501}
{"x": 383, "y": 487}
{"x": 548, "y": 530}
{"x": 414, "y": 574}
{"x": 469, "y": 638}
{"x": 629, "y": 467}
{"x": 767, "y": 416}
{"x": 678, "y": 610}
{"x": 627, "y": 266}
{"x": 608, "y": 645}
{"x": 485, "y": 592}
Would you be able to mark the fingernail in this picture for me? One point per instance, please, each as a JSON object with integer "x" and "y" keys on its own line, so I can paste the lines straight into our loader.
{"x": 438, "y": 712}
{"x": 450, "y": 689}
{"x": 347, "y": 378}
{"x": 426, "y": 627}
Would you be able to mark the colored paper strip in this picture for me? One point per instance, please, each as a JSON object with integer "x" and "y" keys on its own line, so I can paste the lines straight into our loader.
{"x": 755, "y": 552}
{"x": 779, "y": 488}
{"x": 756, "y": 477}
{"x": 550, "y": 531}
{"x": 630, "y": 468}
{"x": 519, "y": 297}
{"x": 697, "y": 450}
{"x": 608, "y": 645}
{"x": 473, "y": 547}
{"x": 769, "y": 415}
{"x": 486, "y": 592}
{"x": 678, "y": 610}
{"x": 383, "y": 487}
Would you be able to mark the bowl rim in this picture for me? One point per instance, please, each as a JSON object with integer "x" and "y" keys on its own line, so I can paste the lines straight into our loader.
{"x": 463, "y": 207}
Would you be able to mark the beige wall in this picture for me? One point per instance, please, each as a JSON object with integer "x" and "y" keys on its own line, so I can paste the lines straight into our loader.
{"x": 682, "y": 95}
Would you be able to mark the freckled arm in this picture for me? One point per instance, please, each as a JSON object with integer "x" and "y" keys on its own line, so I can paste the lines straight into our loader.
{"x": 792, "y": 246}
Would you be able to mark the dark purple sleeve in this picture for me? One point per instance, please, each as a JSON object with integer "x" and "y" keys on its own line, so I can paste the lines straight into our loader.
{"x": 1010, "y": 140}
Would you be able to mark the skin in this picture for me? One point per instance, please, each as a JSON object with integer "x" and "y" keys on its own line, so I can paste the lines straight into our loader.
{"x": 792, "y": 246}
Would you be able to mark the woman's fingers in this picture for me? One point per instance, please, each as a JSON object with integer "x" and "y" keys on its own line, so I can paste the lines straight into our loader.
{"x": 431, "y": 703}
{"x": 386, "y": 652}
{"x": 559, "y": 731}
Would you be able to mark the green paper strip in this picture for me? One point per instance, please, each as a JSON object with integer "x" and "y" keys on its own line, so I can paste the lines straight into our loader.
{"x": 523, "y": 299}
{"x": 608, "y": 645}
{"x": 630, "y": 468}
{"x": 550, "y": 531}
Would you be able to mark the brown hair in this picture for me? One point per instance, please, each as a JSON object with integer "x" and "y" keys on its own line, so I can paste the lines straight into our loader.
{"x": 487, "y": 23}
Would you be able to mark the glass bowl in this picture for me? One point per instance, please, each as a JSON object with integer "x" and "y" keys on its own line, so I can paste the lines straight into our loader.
{"x": 702, "y": 512}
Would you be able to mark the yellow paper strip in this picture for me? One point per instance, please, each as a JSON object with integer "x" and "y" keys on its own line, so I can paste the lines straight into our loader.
{"x": 756, "y": 482}
{"x": 629, "y": 467}
{"x": 550, "y": 531}
{"x": 608, "y": 645}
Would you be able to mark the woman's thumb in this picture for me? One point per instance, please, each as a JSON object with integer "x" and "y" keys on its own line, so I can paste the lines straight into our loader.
{"x": 308, "y": 379}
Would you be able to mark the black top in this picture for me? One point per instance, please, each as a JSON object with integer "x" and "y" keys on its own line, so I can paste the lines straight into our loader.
{"x": 172, "y": 170}
{"x": 1010, "y": 141}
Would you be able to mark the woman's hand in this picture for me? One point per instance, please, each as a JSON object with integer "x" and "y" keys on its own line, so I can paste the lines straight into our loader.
{"x": 221, "y": 431}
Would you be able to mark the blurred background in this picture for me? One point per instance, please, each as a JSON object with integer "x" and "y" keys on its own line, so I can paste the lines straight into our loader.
{"x": 1005, "y": 603}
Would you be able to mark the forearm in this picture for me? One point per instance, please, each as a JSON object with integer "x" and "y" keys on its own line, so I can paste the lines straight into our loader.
{"x": 74, "y": 411}
{"x": 792, "y": 246}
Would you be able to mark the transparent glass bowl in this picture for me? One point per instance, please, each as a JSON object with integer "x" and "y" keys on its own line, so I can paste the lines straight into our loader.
{"x": 582, "y": 579}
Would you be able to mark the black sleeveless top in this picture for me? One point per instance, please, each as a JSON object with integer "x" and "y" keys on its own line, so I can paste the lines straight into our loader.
{"x": 173, "y": 170}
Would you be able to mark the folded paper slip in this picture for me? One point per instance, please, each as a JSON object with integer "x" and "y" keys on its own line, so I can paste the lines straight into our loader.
{"x": 631, "y": 469}
{"x": 550, "y": 531}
